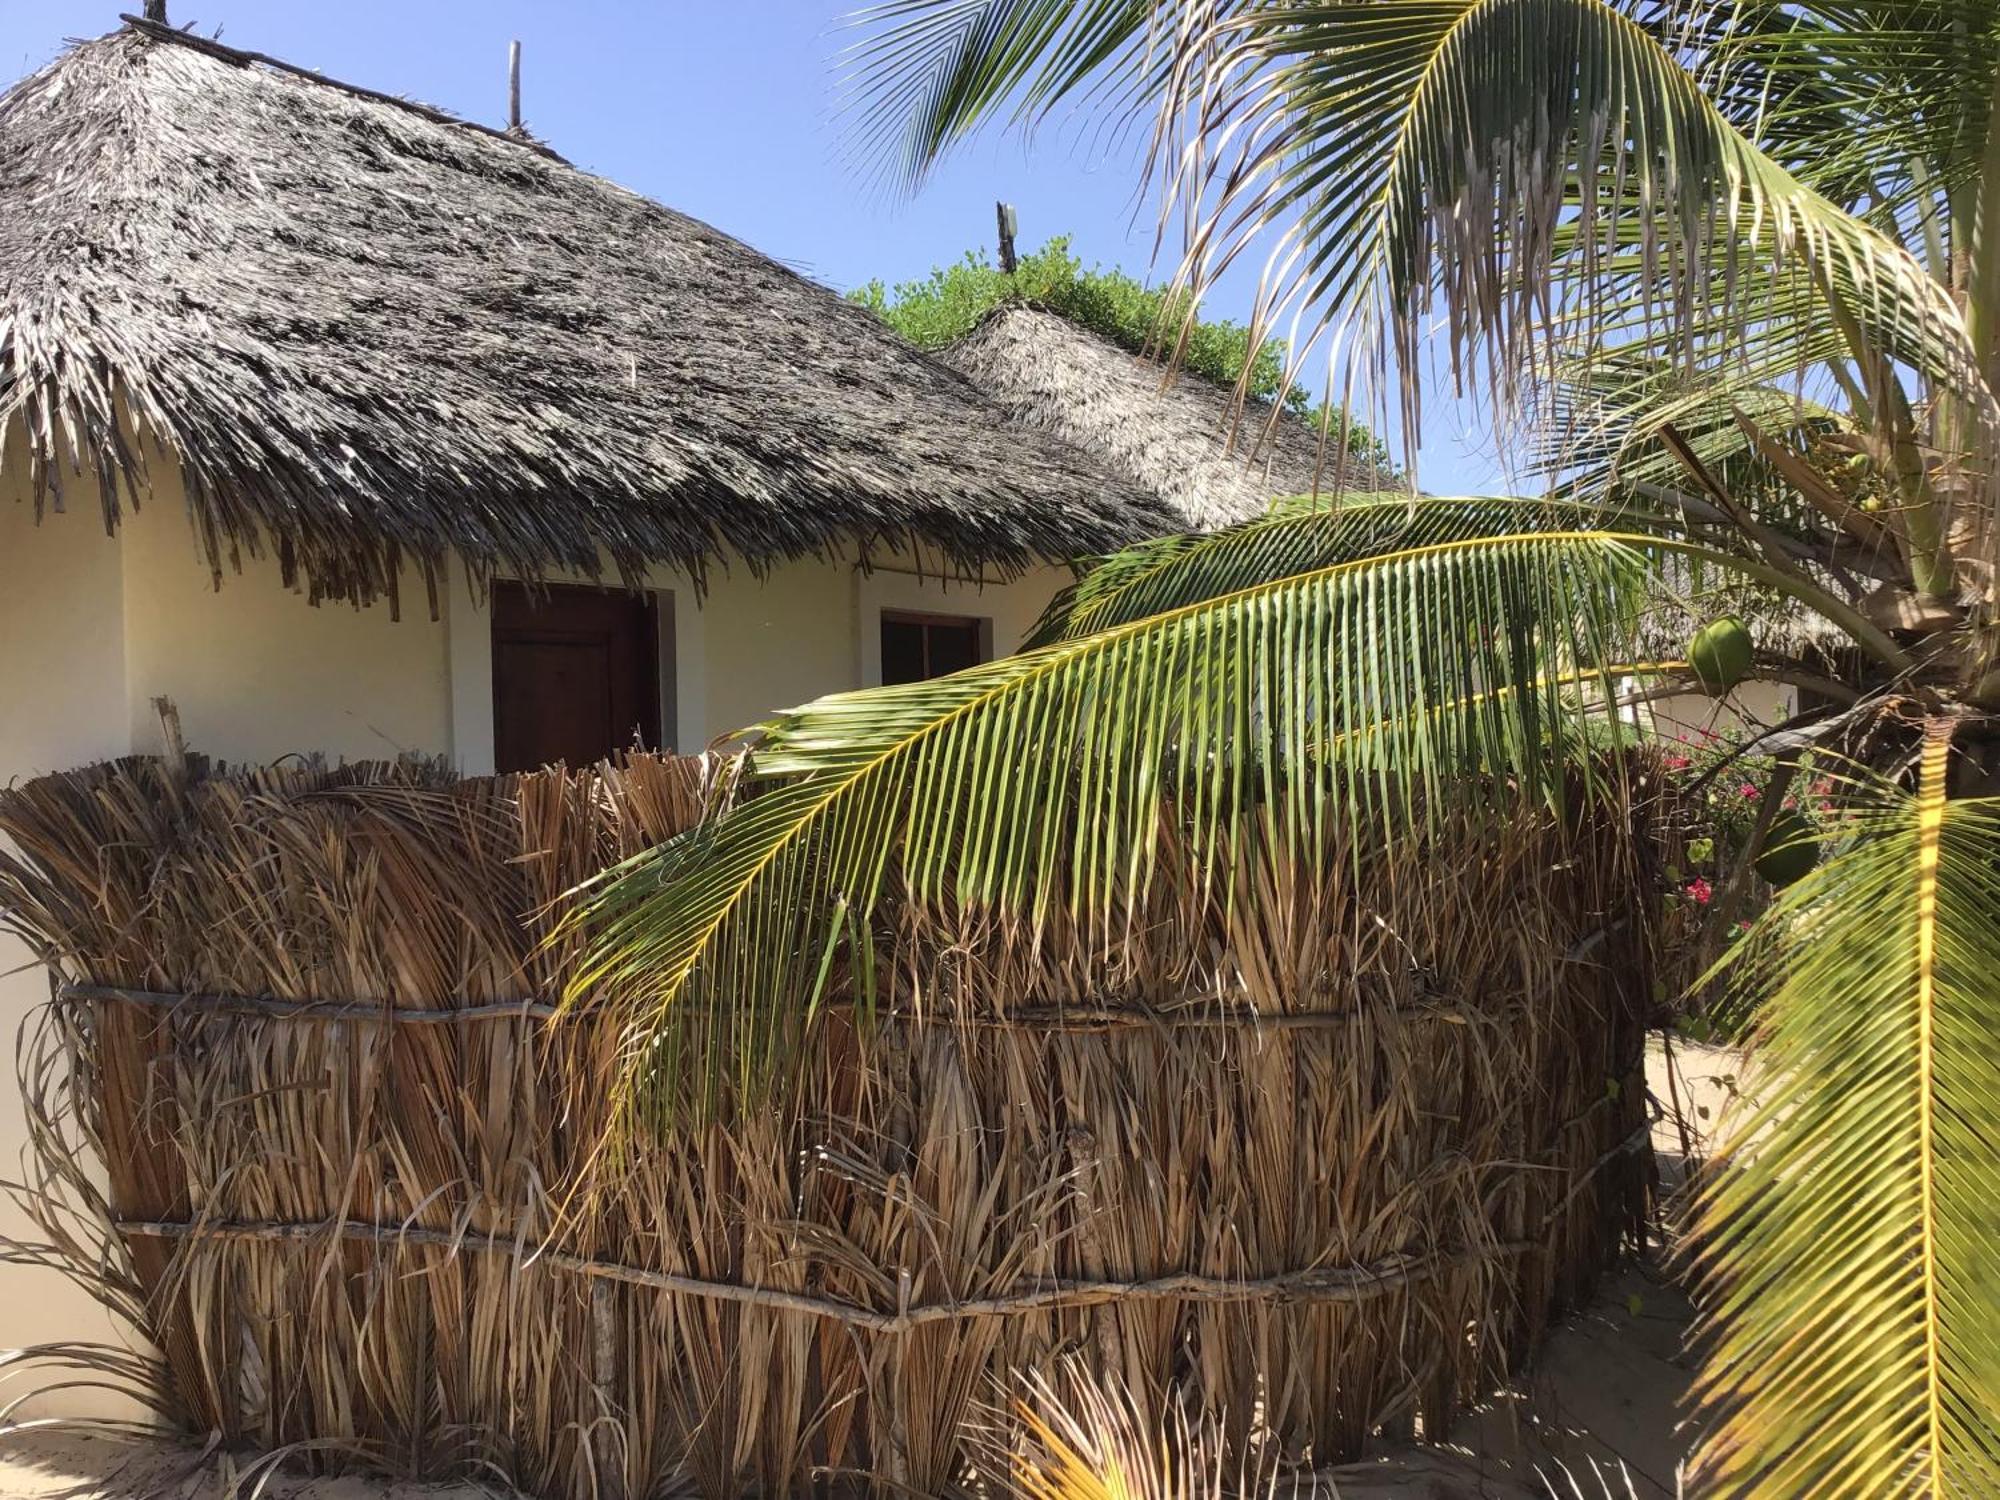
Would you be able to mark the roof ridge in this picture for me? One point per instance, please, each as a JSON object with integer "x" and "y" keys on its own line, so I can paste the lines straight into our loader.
{"x": 242, "y": 57}
{"x": 1176, "y": 369}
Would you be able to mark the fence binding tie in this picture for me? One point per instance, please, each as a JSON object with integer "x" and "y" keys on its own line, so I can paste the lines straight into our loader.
{"x": 1321, "y": 1284}
{"x": 1039, "y": 1019}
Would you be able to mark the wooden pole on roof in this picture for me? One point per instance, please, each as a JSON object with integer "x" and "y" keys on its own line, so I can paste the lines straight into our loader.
{"x": 156, "y": 11}
{"x": 1004, "y": 212}
{"x": 513, "y": 85}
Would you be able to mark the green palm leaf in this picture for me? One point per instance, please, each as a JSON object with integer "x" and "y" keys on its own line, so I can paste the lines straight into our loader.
{"x": 1296, "y": 535}
{"x": 1853, "y": 1235}
{"x": 932, "y": 70}
{"x": 1497, "y": 153}
{"x": 1345, "y": 690}
{"x": 1880, "y": 105}
{"x": 1308, "y": 532}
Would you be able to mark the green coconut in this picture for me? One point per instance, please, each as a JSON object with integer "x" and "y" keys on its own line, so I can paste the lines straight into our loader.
{"x": 1789, "y": 851}
{"x": 1720, "y": 654}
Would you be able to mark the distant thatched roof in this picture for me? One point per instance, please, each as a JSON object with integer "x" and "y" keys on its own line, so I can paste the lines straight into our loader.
{"x": 1175, "y": 441}
{"x": 368, "y": 331}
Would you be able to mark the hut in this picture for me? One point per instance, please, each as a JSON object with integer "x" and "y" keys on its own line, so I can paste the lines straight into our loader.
{"x": 301, "y": 383}
{"x": 380, "y": 357}
{"x": 1183, "y": 440}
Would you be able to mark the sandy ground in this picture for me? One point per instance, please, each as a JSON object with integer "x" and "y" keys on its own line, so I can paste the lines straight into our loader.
{"x": 1598, "y": 1417}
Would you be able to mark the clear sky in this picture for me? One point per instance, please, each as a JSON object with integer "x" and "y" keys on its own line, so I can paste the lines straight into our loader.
{"x": 727, "y": 110}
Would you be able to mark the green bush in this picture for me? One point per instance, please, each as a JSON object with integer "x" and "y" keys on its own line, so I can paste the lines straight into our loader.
{"x": 943, "y": 307}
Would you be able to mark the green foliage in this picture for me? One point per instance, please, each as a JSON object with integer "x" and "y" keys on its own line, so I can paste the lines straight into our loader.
{"x": 948, "y": 304}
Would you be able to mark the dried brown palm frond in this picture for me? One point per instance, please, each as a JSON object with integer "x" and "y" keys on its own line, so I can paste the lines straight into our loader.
{"x": 1344, "y": 1144}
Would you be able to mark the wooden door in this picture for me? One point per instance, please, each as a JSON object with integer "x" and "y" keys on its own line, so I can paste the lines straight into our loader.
{"x": 576, "y": 675}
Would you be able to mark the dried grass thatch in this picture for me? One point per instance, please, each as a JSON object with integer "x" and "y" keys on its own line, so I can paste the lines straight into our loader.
{"x": 1309, "y": 1173}
{"x": 367, "y": 332}
{"x": 1182, "y": 439}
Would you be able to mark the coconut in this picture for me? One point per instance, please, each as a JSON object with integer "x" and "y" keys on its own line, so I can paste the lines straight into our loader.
{"x": 1720, "y": 654}
{"x": 1789, "y": 851}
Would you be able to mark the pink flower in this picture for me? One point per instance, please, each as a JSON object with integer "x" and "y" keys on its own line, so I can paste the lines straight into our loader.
{"x": 1678, "y": 762}
{"x": 1747, "y": 792}
{"x": 1700, "y": 891}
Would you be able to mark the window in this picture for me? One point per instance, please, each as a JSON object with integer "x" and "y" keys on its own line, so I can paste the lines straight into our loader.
{"x": 917, "y": 647}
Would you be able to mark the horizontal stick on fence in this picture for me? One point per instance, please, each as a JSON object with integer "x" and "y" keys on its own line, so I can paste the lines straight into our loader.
{"x": 1133, "y": 1019}
{"x": 1043, "y": 1018}
{"x": 1319, "y": 1284}
{"x": 310, "y": 1010}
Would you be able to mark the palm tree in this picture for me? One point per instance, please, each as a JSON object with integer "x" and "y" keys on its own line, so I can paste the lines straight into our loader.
{"x": 1740, "y": 267}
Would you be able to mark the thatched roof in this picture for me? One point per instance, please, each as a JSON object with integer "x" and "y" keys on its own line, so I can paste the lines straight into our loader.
{"x": 368, "y": 331}
{"x": 1179, "y": 440}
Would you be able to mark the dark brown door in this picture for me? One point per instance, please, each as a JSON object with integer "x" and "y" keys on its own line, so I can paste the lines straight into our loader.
{"x": 576, "y": 675}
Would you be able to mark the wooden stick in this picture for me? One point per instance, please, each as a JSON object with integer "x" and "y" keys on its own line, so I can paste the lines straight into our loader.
{"x": 1045, "y": 1019}
{"x": 310, "y": 1010}
{"x": 1315, "y": 1285}
{"x": 1133, "y": 1019}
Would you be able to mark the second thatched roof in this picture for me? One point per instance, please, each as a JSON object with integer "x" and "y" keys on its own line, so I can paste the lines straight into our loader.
{"x": 367, "y": 332}
{"x": 1180, "y": 439}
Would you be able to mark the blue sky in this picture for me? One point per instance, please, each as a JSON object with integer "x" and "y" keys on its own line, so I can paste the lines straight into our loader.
{"x": 726, "y": 109}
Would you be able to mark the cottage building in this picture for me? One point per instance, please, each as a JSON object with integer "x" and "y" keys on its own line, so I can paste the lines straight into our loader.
{"x": 354, "y": 429}
{"x": 291, "y": 373}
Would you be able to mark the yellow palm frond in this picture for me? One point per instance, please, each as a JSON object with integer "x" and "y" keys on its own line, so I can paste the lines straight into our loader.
{"x": 1852, "y": 1234}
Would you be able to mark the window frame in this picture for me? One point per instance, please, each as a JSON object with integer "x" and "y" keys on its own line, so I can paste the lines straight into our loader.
{"x": 981, "y": 625}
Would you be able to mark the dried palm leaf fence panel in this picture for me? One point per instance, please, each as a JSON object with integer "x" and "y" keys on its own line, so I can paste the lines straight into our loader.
{"x": 1323, "y": 1169}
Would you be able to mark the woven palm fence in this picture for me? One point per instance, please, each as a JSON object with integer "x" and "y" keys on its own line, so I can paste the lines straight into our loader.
{"x": 1319, "y": 1169}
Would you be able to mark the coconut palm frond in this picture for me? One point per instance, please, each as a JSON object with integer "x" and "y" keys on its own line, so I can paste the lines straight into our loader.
{"x": 930, "y": 72}
{"x": 1298, "y": 534}
{"x": 1731, "y": 442}
{"x": 1037, "y": 783}
{"x": 1308, "y": 532}
{"x": 1085, "y": 1437}
{"x": 1852, "y": 1245}
{"x": 1608, "y": 415}
{"x": 1391, "y": 165}
{"x": 1879, "y": 106}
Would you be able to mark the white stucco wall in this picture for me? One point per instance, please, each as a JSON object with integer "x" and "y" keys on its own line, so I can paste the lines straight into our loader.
{"x": 1754, "y": 707}
{"x": 257, "y": 672}
{"x": 811, "y": 629}
{"x": 62, "y": 703}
